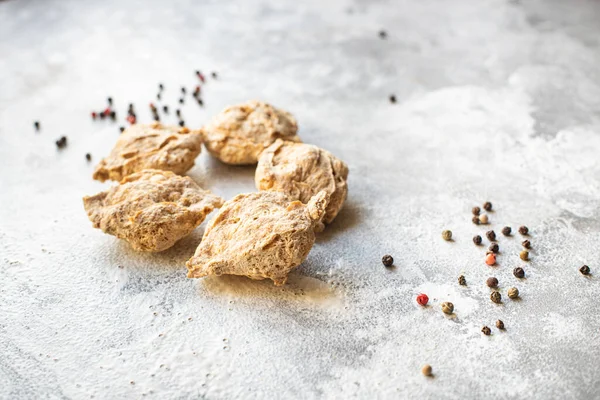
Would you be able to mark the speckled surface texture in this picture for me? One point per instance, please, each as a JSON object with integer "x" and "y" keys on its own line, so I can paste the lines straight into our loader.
{"x": 497, "y": 100}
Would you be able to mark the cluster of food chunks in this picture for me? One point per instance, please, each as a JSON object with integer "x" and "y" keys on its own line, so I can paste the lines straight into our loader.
{"x": 262, "y": 235}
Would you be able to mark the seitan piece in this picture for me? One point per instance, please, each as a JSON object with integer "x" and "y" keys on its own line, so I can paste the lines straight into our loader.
{"x": 151, "y": 209}
{"x": 260, "y": 235}
{"x": 302, "y": 170}
{"x": 240, "y": 133}
{"x": 152, "y": 146}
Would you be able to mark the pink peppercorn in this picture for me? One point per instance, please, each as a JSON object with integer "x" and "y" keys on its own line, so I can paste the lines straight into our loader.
{"x": 422, "y": 299}
{"x": 490, "y": 259}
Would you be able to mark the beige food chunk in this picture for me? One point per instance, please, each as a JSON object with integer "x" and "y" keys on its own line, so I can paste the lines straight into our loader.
{"x": 240, "y": 133}
{"x": 258, "y": 235}
{"x": 153, "y": 146}
{"x": 301, "y": 171}
{"x": 151, "y": 209}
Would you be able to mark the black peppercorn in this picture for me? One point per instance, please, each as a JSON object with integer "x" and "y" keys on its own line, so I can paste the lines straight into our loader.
{"x": 477, "y": 240}
{"x": 156, "y": 117}
{"x": 181, "y": 123}
{"x": 487, "y": 206}
{"x": 496, "y": 297}
{"x": 62, "y": 142}
{"x": 166, "y": 109}
{"x": 214, "y": 75}
{"x": 462, "y": 281}
{"x": 158, "y": 96}
{"x": 585, "y": 270}
{"x": 178, "y": 112}
{"x": 499, "y": 324}
{"x": 491, "y": 235}
{"x": 36, "y": 125}
{"x": 113, "y": 115}
{"x": 523, "y": 230}
{"x": 200, "y": 102}
{"x": 492, "y": 282}
{"x": 486, "y": 331}
{"x": 387, "y": 260}
{"x": 494, "y": 248}
{"x": 506, "y": 231}
{"x": 181, "y": 100}
{"x": 102, "y": 115}
{"x": 526, "y": 243}
{"x": 475, "y": 220}
{"x": 160, "y": 86}
{"x": 476, "y": 210}
{"x": 88, "y": 156}
{"x": 109, "y": 101}
{"x": 392, "y": 99}
{"x": 121, "y": 128}
{"x": 519, "y": 272}
{"x": 382, "y": 34}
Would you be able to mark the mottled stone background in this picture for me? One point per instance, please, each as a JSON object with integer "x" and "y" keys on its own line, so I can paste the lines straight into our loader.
{"x": 497, "y": 100}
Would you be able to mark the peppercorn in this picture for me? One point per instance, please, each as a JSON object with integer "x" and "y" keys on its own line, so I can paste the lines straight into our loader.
{"x": 102, "y": 115}
{"x": 387, "y": 260}
{"x": 519, "y": 272}
{"x": 523, "y": 230}
{"x": 121, "y": 128}
{"x": 506, "y": 231}
{"x": 88, "y": 156}
{"x": 181, "y": 100}
{"x": 130, "y": 107}
{"x": 526, "y": 243}
{"x": 524, "y": 255}
{"x": 183, "y": 90}
{"x": 500, "y": 324}
{"x": 62, "y": 142}
{"x": 585, "y": 270}
{"x": 486, "y": 331}
{"x": 156, "y": 117}
{"x": 160, "y": 86}
{"x": 494, "y": 248}
{"x": 447, "y": 307}
{"x": 422, "y": 299}
{"x": 447, "y": 235}
{"x": 492, "y": 282}
{"x": 392, "y": 99}
{"x": 200, "y": 102}
{"x": 214, "y": 75}
{"x": 484, "y": 219}
{"x": 36, "y": 125}
{"x": 382, "y": 34}
{"x": 462, "y": 281}
{"x": 496, "y": 297}
{"x": 113, "y": 115}
{"x": 476, "y": 210}
{"x": 196, "y": 90}
{"x": 490, "y": 259}
{"x": 477, "y": 240}
{"x": 181, "y": 123}
{"x": 158, "y": 96}
{"x": 94, "y": 115}
{"x": 491, "y": 235}
{"x": 109, "y": 101}
{"x": 178, "y": 112}
{"x": 513, "y": 293}
{"x": 487, "y": 206}
{"x": 427, "y": 370}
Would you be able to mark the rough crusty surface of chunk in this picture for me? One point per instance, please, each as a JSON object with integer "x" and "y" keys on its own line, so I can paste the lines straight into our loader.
{"x": 152, "y": 146}
{"x": 258, "y": 235}
{"x": 302, "y": 170}
{"x": 240, "y": 133}
{"x": 151, "y": 209}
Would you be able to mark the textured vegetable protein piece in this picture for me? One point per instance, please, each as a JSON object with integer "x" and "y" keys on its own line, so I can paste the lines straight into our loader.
{"x": 260, "y": 235}
{"x": 240, "y": 133}
{"x": 151, "y": 209}
{"x": 152, "y": 146}
{"x": 302, "y": 170}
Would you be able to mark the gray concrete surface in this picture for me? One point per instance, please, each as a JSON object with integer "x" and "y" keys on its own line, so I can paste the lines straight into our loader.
{"x": 497, "y": 100}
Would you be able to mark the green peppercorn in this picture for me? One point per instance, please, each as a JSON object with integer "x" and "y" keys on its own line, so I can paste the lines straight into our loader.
{"x": 486, "y": 330}
{"x": 524, "y": 255}
{"x": 447, "y": 307}
{"x": 519, "y": 272}
{"x": 500, "y": 324}
{"x": 526, "y": 243}
{"x": 484, "y": 219}
{"x": 476, "y": 210}
{"x": 387, "y": 260}
{"x": 477, "y": 240}
{"x": 462, "y": 281}
{"x": 476, "y": 220}
{"x": 447, "y": 235}
{"x": 523, "y": 230}
{"x": 496, "y": 297}
{"x": 494, "y": 248}
{"x": 513, "y": 293}
{"x": 487, "y": 206}
{"x": 491, "y": 235}
{"x": 506, "y": 231}
{"x": 585, "y": 270}
{"x": 427, "y": 370}
{"x": 492, "y": 282}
